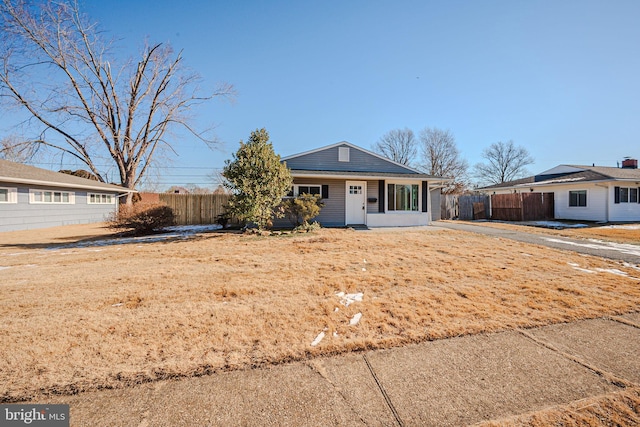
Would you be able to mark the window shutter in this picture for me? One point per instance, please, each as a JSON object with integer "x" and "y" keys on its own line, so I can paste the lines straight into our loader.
{"x": 325, "y": 191}
{"x": 381, "y": 196}
{"x": 616, "y": 194}
{"x": 425, "y": 195}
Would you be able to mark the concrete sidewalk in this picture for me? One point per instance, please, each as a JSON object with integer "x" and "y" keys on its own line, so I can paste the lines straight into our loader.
{"x": 454, "y": 382}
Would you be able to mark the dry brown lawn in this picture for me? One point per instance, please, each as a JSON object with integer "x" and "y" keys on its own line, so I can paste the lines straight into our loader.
{"x": 82, "y": 318}
{"x": 623, "y": 233}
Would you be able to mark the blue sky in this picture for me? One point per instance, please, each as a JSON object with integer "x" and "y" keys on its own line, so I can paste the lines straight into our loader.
{"x": 560, "y": 78}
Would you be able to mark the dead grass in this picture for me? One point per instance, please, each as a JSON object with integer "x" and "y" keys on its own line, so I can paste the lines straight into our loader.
{"x": 630, "y": 234}
{"x": 619, "y": 409}
{"x": 78, "y": 319}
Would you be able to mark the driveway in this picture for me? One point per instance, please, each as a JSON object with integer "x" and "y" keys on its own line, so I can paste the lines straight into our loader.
{"x": 616, "y": 251}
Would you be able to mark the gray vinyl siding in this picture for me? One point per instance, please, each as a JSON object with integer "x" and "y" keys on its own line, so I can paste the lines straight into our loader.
{"x": 333, "y": 213}
{"x": 372, "y": 193}
{"x": 359, "y": 161}
{"x": 24, "y": 215}
{"x": 435, "y": 205}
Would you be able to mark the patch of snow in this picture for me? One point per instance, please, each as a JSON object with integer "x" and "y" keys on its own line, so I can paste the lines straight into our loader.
{"x": 617, "y": 272}
{"x": 318, "y": 339}
{"x": 523, "y": 254}
{"x": 118, "y": 304}
{"x": 599, "y": 244}
{"x": 177, "y": 232}
{"x": 335, "y": 334}
{"x": 556, "y": 224}
{"x": 355, "y": 319}
{"x": 629, "y": 265}
{"x": 348, "y": 299}
{"x": 4, "y": 268}
{"x": 623, "y": 226}
{"x": 364, "y": 269}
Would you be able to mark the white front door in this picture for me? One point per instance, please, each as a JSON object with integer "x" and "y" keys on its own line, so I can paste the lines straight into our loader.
{"x": 356, "y": 202}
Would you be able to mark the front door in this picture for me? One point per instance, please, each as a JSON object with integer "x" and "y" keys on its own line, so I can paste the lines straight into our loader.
{"x": 356, "y": 202}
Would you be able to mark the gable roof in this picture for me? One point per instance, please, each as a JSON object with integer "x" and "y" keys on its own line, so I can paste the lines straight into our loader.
{"x": 24, "y": 174}
{"x": 568, "y": 174}
{"x": 324, "y": 161}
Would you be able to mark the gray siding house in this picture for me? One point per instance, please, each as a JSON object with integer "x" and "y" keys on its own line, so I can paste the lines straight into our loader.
{"x": 32, "y": 197}
{"x": 359, "y": 187}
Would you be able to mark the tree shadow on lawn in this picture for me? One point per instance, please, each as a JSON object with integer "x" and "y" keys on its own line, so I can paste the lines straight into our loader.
{"x": 178, "y": 234}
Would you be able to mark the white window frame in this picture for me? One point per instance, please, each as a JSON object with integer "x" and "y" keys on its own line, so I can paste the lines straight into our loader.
{"x": 12, "y": 195}
{"x": 38, "y": 197}
{"x": 295, "y": 189}
{"x": 418, "y": 201}
{"x": 101, "y": 199}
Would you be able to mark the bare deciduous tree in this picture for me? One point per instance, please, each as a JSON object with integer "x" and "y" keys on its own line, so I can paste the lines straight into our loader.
{"x": 506, "y": 162}
{"x": 440, "y": 157}
{"x": 14, "y": 149}
{"x": 55, "y": 65}
{"x": 398, "y": 145}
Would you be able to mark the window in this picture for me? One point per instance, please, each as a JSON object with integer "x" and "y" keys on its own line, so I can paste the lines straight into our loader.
{"x": 53, "y": 197}
{"x": 626, "y": 194}
{"x": 402, "y": 197}
{"x": 8, "y": 195}
{"x": 105, "y": 199}
{"x": 578, "y": 198}
{"x": 298, "y": 190}
{"x": 355, "y": 189}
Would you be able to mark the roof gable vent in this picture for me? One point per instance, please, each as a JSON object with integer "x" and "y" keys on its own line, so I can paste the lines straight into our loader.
{"x": 343, "y": 154}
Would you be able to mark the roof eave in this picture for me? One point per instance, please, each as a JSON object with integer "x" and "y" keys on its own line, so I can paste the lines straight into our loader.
{"x": 114, "y": 188}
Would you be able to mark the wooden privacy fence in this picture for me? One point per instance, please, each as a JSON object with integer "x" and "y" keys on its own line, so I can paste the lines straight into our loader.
{"x": 522, "y": 206}
{"x": 465, "y": 207}
{"x": 193, "y": 209}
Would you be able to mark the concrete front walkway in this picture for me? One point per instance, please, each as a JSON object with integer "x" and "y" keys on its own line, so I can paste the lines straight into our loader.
{"x": 450, "y": 382}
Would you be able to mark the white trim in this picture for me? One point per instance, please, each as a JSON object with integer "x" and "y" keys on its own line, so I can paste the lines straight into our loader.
{"x": 71, "y": 197}
{"x": 101, "y": 197}
{"x": 12, "y": 195}
{"x": 364, "y": 199}
{"x": 106, "y": 187}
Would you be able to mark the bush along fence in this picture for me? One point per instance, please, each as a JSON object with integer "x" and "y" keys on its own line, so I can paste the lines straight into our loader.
{"x": 192, "y": 209}
{"x": 503, "y": 207}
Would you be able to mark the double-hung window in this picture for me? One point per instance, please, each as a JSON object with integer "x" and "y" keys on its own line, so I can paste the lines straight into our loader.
{"x": 402, "y": 197}
{"x": 578, "y": 198}
{"x": 8, "y": 195}
{"x": 626, "y": 195}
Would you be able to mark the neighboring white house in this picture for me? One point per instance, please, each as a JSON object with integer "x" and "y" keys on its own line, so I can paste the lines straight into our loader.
{"x": 359, "y": 187}
{"x": 32, "y": 197}
{"x": 585, "y": 193}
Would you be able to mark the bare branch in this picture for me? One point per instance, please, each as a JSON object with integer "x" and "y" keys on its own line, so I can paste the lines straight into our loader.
{"x": 506, "y": 162}
{"x": 57, "y": 67}
{"x": 398, "y": 145}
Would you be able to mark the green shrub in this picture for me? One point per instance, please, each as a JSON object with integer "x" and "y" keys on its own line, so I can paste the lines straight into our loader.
{"x": 143, "y": 218}
{"x": 303, "y": 208}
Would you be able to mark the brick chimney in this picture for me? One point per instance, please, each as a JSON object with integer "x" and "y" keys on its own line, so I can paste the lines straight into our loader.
{"x": 629, "y": 163}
